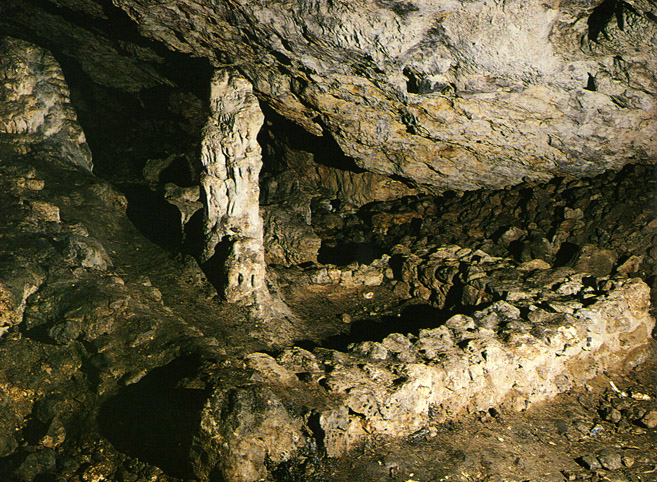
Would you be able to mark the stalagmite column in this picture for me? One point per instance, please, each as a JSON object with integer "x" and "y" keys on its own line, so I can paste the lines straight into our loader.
{"x": 232, "y": 160}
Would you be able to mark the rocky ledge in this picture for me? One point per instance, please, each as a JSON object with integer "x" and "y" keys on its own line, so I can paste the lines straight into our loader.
{"x": 552, "y": 330}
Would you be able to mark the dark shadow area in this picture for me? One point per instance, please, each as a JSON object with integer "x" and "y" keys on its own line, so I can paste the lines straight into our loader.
{"x": 123, "y": 127}
{"x": 279, "y": 132}
{"x": 566, "y": 254}
{"x": 411, "y": 320}
{"x": 193, "y": 235}
{"x": 155, "y": 420}
{"x": 599, "y": 18}
{"x": 155, "y": 218}
{"x": 215, "y": 267}
{"x": 400, "y": 8}
{"x": 179, "y": 173}
{"x": 343, "y": 254}
{"x": 603, "y": 14}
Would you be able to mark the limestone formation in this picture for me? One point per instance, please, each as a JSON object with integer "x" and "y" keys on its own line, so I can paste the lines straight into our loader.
{"x": 412, "y": 316}
{"x": 511, "y": 354}
{"x": 453, "y": 94}
{"x": 289, "y": 241}
{"x": 35, "y": 109}
{"x": 231, "y": 158}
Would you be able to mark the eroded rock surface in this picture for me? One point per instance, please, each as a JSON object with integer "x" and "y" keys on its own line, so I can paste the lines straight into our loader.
{"x": 551, "y": 330}
{"x": 118, "y": 361}
{"x": 232, "y": 160}
{"x": 457, "y": 95}
{"x": 35, "y": 103}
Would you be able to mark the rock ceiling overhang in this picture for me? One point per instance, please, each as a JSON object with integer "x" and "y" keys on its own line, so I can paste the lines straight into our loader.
{"x": 451, "y": 94}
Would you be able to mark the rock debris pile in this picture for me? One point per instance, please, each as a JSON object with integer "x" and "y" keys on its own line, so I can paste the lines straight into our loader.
{"x": 552, "y": 330}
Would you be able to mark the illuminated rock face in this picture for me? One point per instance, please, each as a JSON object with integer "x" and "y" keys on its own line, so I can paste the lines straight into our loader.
{"x": 497, "y": 357}
{"x": 454, "y": 94}
{"x": 231, "y": 159}
{"x": 35, "y": 109}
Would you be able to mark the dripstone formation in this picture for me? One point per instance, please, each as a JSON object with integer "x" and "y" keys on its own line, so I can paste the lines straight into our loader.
{"x": 36, "y": 108}
{"x": 237, "y": 241}
{"x": 231, "y": 159}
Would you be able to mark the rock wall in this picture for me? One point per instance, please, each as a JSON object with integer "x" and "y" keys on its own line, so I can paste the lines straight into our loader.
{"x": 456, "y": 94}
{"x": 35, "y": 108}
{"x": 231, "y": 158}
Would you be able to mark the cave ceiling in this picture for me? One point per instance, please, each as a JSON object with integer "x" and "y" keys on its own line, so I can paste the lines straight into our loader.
{"x": 449, "y": 94}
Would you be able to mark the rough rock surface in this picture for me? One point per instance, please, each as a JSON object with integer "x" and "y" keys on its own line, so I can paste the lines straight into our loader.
{"x": 289, "y": 241}
{"x": 118, "y": 361}
{"x": 300, "y": 168}
{"x": 36, "y": 109}
{"x": 232, "y": 159}
{"x": 494, "y": 358}
{"x": 457, "y": 95}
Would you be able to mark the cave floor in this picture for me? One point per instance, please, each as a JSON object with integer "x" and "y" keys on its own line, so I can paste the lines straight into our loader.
{"x": 591, "y": 433}
{"x": 570, "y": 438}
{"x": 156, "y": 332}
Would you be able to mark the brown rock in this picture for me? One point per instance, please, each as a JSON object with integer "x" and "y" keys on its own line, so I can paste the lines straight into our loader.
{"x": 650, "y": 419}
{"x": 595, "y": 260}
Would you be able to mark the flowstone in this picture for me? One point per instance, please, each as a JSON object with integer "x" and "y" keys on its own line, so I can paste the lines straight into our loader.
{"x": 35, "y": 106}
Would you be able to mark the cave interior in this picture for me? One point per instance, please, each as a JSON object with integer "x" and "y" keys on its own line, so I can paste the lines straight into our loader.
{"x": 418, "y": 333}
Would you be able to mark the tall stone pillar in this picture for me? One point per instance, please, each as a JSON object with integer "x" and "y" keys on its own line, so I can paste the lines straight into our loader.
{"x": 231, "y": 158}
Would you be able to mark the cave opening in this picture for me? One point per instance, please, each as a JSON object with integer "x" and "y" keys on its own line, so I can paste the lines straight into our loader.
{"x": 153, "y": 419}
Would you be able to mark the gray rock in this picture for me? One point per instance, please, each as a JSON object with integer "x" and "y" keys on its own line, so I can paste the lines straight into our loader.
{"x": 610, "y": 460}
{"x": 19, "y": 279}
{"x": 611, "y": 414}
{"x": 186, "y": 199}
{"x": 85, "y": 251}
{"x": 8, "y": 426}
{"x": 35, "y": 464}
{"x": 64, "y": 332}
{"x": 439, "y": 93}
{"x": 244, "y": 431}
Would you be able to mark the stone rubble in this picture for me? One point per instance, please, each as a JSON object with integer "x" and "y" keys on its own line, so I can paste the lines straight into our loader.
{"x": 550, "y": 330}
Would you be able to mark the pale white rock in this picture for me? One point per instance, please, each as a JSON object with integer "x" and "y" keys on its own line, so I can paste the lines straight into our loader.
{"x": 231, "y": 159}
{"x": 487, "y": 368}
{"x": 384, "y": 388}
